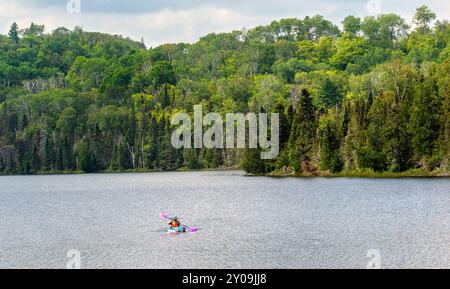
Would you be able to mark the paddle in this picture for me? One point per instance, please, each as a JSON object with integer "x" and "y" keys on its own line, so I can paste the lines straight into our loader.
{"x": 166, "y": 216}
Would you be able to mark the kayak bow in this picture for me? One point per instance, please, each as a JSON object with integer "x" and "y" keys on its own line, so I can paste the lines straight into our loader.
{"x": 177, "y": 230}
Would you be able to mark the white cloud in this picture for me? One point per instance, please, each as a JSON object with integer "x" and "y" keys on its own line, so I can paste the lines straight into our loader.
{"x": 163, "y": 22}
{"x": 157, "y": 28}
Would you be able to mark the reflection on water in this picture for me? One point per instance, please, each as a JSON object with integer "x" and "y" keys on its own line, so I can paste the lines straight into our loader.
{"x": 113, "y": 220}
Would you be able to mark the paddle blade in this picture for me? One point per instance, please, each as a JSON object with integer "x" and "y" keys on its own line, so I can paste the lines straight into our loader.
{"x": 164, "y": 215}
{"x": 192, "y": 229}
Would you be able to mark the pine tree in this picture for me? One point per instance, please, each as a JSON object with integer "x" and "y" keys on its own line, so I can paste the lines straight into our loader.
{"x": 328, "y": 94}
{"x": 143, "y": 43}
{"x": 398, "y": 145}
{"x": 303, "y": 131}
{"x": 330, "y": 158}
{"x": 371, "y": 151}
{"x": 425, "y": 121}
{"x": 285, "y": 125}
{"x": 285, "y": 131}
{"x": 14, "y": 33}
{"x": 351, "y": 138}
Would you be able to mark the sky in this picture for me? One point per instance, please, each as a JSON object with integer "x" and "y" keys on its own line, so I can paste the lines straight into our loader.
{"x": 174, "y": 21}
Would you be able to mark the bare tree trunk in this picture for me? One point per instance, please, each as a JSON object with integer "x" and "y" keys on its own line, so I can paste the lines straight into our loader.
{"x": 133, "y": 154}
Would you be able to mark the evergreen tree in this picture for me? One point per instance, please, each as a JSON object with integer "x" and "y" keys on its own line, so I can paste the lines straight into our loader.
{"x": 14, "y": 33}
{"x": 371, "y": 153}
{"x": 330, "y": 158}
{"x": 398, "y": 145}
{"x": 352, "y": 138}
{"x": 285, "y": 125}
{"x": 328, "y": 94}
{"x": 425, "y": 121}
{"x": 303, "y": 131}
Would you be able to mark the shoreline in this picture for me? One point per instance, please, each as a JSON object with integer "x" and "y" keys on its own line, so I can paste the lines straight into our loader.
{"x": 345, "y": 174}
{"x": 138, "y": 171}
{"x": 367, "y": 174}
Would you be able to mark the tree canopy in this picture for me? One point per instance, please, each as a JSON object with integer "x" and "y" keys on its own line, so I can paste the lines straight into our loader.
{"x": 374, "y": 96}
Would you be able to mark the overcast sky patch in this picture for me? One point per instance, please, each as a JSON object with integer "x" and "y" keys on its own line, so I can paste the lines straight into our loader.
{"x": 163, "y": 21}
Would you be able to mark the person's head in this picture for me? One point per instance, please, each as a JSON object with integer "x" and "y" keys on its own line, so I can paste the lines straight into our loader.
{"x": 175, "y": 218}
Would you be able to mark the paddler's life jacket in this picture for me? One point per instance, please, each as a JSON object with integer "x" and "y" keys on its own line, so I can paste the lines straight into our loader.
{"x": 175, "y": 224}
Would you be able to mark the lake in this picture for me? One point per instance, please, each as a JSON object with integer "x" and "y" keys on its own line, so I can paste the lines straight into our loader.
{"x": 245, "y": 222}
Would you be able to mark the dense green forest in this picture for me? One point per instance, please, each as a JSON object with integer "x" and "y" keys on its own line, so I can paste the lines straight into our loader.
{"x": 373, "y": 96}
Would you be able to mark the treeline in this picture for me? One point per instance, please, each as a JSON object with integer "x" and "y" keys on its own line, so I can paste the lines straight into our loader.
{"x": 375, "y": 96}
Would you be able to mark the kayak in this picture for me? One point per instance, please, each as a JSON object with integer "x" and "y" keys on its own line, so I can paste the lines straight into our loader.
{"x": 176, "y": 230}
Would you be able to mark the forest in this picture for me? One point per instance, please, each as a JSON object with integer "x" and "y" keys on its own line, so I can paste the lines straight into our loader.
{"x": 370, "y": 95}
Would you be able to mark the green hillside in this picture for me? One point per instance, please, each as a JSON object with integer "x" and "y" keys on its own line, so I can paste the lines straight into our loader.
{"x": 373, "y": 97}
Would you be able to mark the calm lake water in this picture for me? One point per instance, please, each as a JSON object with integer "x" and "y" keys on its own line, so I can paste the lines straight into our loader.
{"x": 246, "y": 222}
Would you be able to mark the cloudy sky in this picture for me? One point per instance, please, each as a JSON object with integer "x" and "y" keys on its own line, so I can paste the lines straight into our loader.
{"x": 163, "y": 21}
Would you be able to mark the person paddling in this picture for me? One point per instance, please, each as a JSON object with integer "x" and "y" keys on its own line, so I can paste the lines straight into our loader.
{"x": 175, "y": 223}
